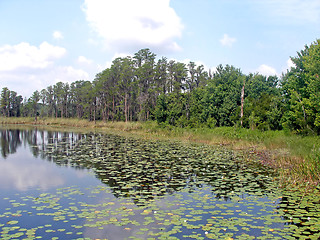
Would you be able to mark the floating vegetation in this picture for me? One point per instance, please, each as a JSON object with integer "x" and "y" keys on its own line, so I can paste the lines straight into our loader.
{"x": 158, "y": 190}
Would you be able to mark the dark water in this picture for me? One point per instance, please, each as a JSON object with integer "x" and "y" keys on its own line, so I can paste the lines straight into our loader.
{"x": 66, "y": 185}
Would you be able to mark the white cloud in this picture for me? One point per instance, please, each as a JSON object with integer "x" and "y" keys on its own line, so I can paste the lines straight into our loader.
{"x": 292, "y": 10}
{"x": 25, "y": 83}
{"x": 57, "y": 35}
{"x": 266, "y": 70}
{"x": 126, "y": 25}
{"x": 290, "y": 64}
{"x": 227, "y": 41}
{"x": 23, "y": 55}
{"x": 186, "y": 61}
{"x": 108, "y": 64}
{"x": 69, "y": 74}
{"x": 25, "y": 68}
{"x": 82, "y": 59}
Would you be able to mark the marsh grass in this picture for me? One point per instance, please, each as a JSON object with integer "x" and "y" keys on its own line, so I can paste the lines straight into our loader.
{"x": 72, "y": 122}
{"x": 296, "y": 158}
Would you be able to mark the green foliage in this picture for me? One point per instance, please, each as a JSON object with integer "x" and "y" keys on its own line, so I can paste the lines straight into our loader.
{"x": 10, "y": 103}
{"x": 222, "y": 95}
{"x": 184, "y": 95}
{"x": 301, "y": 89}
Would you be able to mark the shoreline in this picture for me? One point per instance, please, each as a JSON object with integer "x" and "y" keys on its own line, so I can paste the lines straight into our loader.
{"x": 273, "y": 149}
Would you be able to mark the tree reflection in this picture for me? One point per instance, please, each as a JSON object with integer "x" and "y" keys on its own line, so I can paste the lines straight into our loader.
{"x": 40, "y": 142}
{"x": 139, "y": 169}
{"x": 146, "y": 170}
{"x": 9, "y": 141}
{"x": 143, "y": 170}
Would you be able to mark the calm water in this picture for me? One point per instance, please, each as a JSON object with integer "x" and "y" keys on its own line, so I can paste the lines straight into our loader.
{"x": 64, "y": 185}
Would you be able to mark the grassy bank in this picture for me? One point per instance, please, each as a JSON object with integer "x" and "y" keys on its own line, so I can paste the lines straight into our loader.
{"x": 296, "y": 158}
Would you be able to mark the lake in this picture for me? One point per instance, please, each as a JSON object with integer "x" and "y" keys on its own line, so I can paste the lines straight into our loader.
{"x": 71, "y": 185}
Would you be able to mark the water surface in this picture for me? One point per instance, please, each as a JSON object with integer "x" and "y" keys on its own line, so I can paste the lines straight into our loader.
{"x": 65, "y": 185}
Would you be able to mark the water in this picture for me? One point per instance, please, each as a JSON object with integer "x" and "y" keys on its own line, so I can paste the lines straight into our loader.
{"x": 66, "y": 185}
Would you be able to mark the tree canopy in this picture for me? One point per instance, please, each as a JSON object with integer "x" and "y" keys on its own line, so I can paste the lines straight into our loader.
{"x": 142, "y": 87}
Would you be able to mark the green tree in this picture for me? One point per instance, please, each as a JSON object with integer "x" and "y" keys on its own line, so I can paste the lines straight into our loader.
{"x": 161, "y": 76}
{"x": 222, "y": 97}
{"x": 263, "y": 105}
{"x": 201, "y": 76}
{"x": 301, "y": 87}
{"x": 126, "y": 75}
{"x": 34, "y": 99}
{"x": 60, "y": 97}
{"x": 99, "y": 84}
{"x": 15, "y": 101}
{"x": 49, "y": 100}
{"x": 5, "y": 103}
{"x": 81, "y": 98}
{"x": 178, "y": 74}
{"x": 145, "y": 65}
{"x": 191, "y": 79}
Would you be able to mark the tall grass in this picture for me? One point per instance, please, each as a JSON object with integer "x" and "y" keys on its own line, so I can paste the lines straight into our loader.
{"x": 71, "y": 122}
{"x": 295, "y": 157}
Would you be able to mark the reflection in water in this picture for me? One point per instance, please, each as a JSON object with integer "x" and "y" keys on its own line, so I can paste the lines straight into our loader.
{"x": 138, "y": 169}
{"x": 214, "y": 185}
{"x": 28, "y": 176}
{"x": 9, "y": 141}
{"x": 20, "y": 169}
{"x": 38, "y": 141}
{"x": 142, "y": 170}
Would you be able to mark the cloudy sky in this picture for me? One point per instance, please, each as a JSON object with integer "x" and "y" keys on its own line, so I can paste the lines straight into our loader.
{"x": 43, "y": 42}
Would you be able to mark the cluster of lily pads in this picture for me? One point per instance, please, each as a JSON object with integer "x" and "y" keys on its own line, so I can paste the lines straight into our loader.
{"x": 141, "y": 169}
{"x": 160, "y": 190}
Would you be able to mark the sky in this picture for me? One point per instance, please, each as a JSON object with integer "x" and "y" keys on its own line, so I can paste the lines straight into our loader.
{"x": 43, "y": 42}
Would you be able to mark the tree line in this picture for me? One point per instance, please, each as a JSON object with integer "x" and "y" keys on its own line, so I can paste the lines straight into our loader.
{"x": 142, "y": 88}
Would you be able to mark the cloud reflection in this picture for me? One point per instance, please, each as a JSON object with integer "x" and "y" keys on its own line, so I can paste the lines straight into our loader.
{"x": 18, "y": 174}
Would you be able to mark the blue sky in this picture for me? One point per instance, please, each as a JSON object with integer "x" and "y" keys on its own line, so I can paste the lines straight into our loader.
{"x": 46, "y": 41}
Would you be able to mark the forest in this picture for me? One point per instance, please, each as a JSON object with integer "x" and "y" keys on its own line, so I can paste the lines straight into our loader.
{"x": 143, "y": 88}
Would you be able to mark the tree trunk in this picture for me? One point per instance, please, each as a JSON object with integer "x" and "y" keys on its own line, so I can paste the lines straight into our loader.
{"x": 35, "y": 114}
{"x": 125, "y": 108}
{"x": 113, "y": 109}
{"x": 66, "y": 110}
{"x": 242, "y": 103}
{"x": 104, "y": 111}
{"x": 94, "y": 114}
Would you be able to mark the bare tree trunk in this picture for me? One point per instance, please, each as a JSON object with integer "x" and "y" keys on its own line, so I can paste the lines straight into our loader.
{"x": 242, "y": 102}
{"x": 78, "y": 111}
{"x": 104, "y": 109}
{"x": 35, "y": 113}
{"x": 104, "y": 114}
{"x": 94, "y": 114}
{"x": 61, "y": 111}
{"x": 66, "y": 110}
{"x": 140, "y": 112}
{"x": 125, "y": 108}
{"x": 113, "y": 109}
